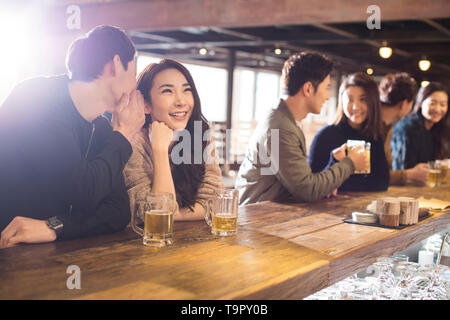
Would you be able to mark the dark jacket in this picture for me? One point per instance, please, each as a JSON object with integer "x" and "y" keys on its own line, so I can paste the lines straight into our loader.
{"x": 332, "y": 137}
{"x": 55, "y": 163}
{"x": 411, "y": 143}
{"x": 276, "y": 165}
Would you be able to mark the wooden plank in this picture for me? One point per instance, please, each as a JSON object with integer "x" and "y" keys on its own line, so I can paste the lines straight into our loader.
{"x": 163, "y": 14}
{"x": 187, "y": 270}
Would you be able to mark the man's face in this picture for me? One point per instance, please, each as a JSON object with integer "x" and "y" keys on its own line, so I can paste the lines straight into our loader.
{"x": 128, "y": 77}
{"x": 320, "y": 96}
{"x": 123, "y": 81}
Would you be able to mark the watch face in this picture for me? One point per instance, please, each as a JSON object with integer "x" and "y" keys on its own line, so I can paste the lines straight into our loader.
{"x": 55, "y": 223}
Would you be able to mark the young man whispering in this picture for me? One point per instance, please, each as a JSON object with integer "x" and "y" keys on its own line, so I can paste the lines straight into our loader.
{"x": 61, "y": 161}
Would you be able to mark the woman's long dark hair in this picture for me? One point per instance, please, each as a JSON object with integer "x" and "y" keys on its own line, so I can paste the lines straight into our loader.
{"x": 371, "y": 128}
{"x": 186, "y": 177}
{"x": 438, "y": 129}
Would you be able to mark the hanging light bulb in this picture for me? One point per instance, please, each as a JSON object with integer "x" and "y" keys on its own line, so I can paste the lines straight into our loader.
{"x": 385, "y": 52}
{"x": 424, "y": 64}
{"x": 424, "y": 83}
{"x": 369, "y": 71}
{"x": 277, "y": 51}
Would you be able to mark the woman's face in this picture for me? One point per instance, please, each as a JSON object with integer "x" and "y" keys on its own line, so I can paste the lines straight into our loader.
{"x": 435, "y": 106}
{"x": 355, "y": 106}
{"x": 172, "y": 101}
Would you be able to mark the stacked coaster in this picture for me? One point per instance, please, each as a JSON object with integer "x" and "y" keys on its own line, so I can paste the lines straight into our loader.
{"x": 390, "y": 213}
{"x": 409, "y": 211}
{"x": 395, "y": 211}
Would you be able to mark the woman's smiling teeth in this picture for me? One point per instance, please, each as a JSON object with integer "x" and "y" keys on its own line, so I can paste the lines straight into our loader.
{"x": 178, "y": 115}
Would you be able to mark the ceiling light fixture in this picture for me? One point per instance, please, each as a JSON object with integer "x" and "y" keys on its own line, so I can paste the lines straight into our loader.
{"x": 385, "y": 51}
{"x": 424, "y": 64}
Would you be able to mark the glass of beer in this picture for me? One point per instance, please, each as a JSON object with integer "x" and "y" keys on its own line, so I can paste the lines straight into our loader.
{"x": 434, "y": 174}
{"x": 157, "y": 211}
{"x": 221, "y": 212}
{"x": 351, "y": 144}
{"x": 444, "y": 169}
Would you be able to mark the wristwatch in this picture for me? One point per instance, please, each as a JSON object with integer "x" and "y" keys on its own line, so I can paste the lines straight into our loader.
{"x": 55, "y": 224}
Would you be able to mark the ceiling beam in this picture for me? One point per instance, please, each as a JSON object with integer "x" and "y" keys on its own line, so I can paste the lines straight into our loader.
{"x": 155, "y": 37}
{"x": 388, "y": 40}
{"x": 164, "y": 15}
{"x": 236, "y": 34}
{"x": 437, "y": 26}
{"x": 372, "y": 43}
{"x": 282, "y": 44}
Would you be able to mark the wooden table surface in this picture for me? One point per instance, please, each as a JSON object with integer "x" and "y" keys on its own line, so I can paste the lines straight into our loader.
{"x": 282, "y": 251}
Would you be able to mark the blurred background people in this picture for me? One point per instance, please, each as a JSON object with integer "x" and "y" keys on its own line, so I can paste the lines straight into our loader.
{"x": 397, "y": 94}
{"x": 287, "y": 175}
{"x": 420, "y": 138}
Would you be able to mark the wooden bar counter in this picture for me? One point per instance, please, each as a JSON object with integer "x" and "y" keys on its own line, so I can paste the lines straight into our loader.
{"x": 282, "y": 251}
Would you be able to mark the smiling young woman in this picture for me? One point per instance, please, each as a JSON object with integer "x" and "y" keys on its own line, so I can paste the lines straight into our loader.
{"x": 357, "y": 118}
{"x": 421, "y": 136}
{"x": 172, "y": 105}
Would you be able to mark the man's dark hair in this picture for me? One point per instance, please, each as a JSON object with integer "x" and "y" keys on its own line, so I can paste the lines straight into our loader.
{"x": 303, "y": 67}
{"x": 395, "y": 88}
{"x": 88, "y": 55}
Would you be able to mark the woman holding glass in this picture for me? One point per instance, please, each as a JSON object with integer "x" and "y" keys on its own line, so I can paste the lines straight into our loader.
{"x": 358, "y": 118}
{"x": 421, "y": 137}
{"x": 162, "y": 164}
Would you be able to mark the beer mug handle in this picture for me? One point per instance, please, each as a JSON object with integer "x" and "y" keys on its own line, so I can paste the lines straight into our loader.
{"x": 134, "y": 225}
{"x": 209, "y": 206}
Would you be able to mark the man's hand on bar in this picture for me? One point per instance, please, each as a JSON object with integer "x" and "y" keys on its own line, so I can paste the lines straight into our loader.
{"x": 26, "y": 230}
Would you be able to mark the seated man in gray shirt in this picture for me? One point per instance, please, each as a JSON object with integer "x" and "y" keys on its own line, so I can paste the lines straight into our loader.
{"x": 276, "y": 163}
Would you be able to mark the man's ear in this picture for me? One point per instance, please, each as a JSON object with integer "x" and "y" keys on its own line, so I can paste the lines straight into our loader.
{"x": 117, "y": 64}
{"x": 404, "y": 105}
{"x": 109, "y": 69}
{"x": 308, "y": 89}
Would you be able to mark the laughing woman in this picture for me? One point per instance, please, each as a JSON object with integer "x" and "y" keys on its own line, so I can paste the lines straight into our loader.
{"x": 358, "y": 118}
{"x": 172, "y": 104}
{"x": 421, "y": 137}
